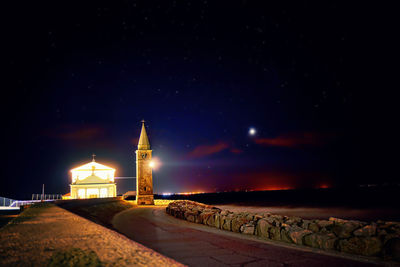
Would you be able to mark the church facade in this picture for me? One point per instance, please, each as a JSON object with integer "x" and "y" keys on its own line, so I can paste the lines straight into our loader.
{"x": 144, "y": 174}
{"x": 93, "y": 180}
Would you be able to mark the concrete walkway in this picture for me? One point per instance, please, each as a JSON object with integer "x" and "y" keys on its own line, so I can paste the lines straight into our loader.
{"x": 199, "y": 245}
{"x": 48, "y": 235}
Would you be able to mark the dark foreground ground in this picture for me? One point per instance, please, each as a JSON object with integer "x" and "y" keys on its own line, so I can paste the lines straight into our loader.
{"x": 367, "y": 204}
{"x": 47, "y": 235}
{"x": 7, "y": 215}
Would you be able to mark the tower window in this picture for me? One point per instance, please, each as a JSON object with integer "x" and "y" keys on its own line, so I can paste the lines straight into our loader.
{"x": 145, "y": 189}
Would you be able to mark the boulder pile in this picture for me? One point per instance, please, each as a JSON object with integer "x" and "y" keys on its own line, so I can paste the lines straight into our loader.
{"x": 379, "y": 238}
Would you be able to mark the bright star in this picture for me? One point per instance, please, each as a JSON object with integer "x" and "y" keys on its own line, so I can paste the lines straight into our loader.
{"x": 252, "y": 131}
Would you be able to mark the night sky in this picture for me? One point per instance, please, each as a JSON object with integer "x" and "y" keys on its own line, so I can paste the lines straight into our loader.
{"x": 315, "y": 80}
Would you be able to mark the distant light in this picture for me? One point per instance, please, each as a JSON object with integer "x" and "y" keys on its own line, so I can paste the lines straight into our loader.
{"x": 252, "y": 131}
{"x": 155, "y": 163}
{"x": 190, "y": 193}
{"x": 166, "y": 194}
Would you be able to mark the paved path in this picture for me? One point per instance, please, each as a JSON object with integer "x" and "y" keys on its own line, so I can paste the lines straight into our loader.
{"x": 199, "y": 245}
{"x": 51, "y": 236}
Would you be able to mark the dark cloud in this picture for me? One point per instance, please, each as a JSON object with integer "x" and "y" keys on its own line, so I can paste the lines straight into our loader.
{"x": 295, "y": 140}
{"x": 75, "y": 133}
{"x": 206, "y": 150}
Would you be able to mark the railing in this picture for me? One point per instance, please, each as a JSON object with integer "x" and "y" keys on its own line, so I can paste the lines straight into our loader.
{"x": 6, "y": 202}
{"x": 46, "y": 196}
{"x": 12, "y": 204}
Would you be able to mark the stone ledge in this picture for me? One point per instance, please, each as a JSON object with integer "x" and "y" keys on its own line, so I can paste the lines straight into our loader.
{"x": 376, "y": 239}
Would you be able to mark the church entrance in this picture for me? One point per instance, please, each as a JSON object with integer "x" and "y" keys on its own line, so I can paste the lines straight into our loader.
{"x": 92, "y": 192}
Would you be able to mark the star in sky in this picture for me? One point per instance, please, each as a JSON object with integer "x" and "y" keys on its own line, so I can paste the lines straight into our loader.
{"x": 252, "y": 131}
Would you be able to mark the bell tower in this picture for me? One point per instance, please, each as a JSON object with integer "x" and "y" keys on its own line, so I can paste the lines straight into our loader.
{"x": 144, "y": 176}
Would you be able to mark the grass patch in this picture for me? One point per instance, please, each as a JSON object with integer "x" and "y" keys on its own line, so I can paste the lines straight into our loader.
{"x": 74, "y": 257}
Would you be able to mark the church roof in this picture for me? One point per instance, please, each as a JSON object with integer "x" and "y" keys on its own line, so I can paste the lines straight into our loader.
{"x": 92, "y": 179}
{"x": 143, "y": 140}
{"x": 89, "y": 167}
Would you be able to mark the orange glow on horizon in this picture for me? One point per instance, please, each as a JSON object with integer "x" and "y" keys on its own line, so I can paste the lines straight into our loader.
{"x": 275, "y": 188}
{"x": 190, "y": 193}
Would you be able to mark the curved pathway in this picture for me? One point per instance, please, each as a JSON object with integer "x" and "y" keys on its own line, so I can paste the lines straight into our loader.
{"x": 200, "y": 245}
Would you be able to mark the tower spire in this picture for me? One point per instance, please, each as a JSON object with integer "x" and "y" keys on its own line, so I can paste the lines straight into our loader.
{"x": 144, "y": 143}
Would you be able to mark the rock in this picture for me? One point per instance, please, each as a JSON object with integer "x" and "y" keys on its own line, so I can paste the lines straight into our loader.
{"x": 275, "y": 220}
{"x": 248, "y": 229}
{"x": 311, "y": 241}
{"x": 198, "y": 219}
{"x": 250, "y": 216}
{"x": 392, "y": 249}
{"x": 325, "y": 224}
{"x": 366, "y": 246}
{"x": 211, "y": 220}
{"x": 225, "y": 212}
{"x": 318, "y": 240}
{"x": 190, "y": 217}
{"x": 285, "y": 231}
{"x": 179, "y": 214}
{"x": 387, "y": 237}
{"x": 257, "y": 217}
{"x": 215, "y": 209}
{"x": 237, "y": 222}
{"x": 217, "y": 221}
{"x": 227, "y": 222}
{"x": 294, "y": 221}
{"x": 313, "y": 227}
{"x": 204, "y": 216}
{"x": 262, "y": 228}
{"x": 275, "y": 233}
{"x": 298, "y": 236}
{"x": 381, "y": 233}
{"x": 345, "y": 230}
{"x": 305, "y": 223}
{"x": 277, "y": 217}
{"x": 391, "y": 227}
{"x": 197, "y": 210}
{"x": 337, "y": 220}
{"x": 368, "y": 230}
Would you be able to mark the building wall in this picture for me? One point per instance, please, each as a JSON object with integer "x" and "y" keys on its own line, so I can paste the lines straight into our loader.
{"x": 93, "y": 190}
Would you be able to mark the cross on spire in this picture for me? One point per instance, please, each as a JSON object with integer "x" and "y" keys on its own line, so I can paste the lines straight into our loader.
{"x": 93, "y": 155}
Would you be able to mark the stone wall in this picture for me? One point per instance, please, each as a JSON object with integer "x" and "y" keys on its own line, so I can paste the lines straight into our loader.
{"x": 379, "y": 238}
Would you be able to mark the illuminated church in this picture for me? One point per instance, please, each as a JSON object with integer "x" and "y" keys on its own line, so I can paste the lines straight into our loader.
{"x": 93, "y": 180}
